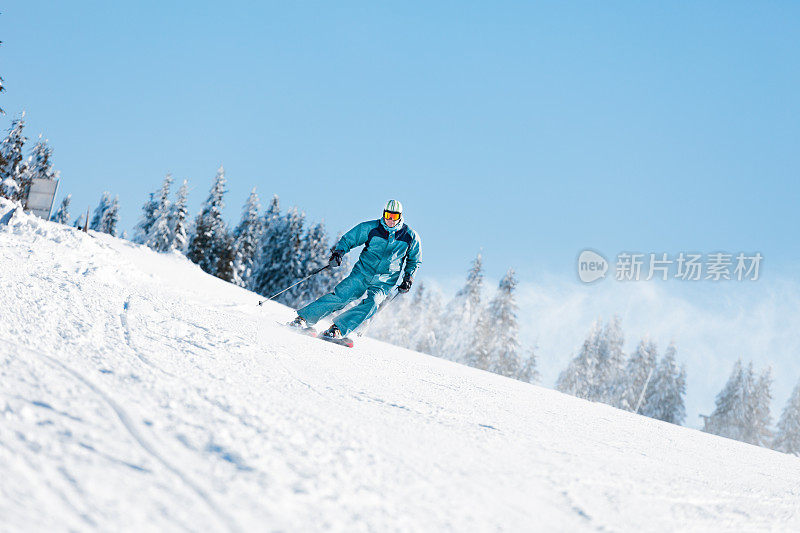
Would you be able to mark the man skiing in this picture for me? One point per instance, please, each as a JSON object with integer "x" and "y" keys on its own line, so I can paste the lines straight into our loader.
{"x": 388, "y": 243}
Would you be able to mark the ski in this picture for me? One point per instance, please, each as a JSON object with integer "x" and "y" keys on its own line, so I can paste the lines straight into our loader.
{"x": 309, "y": 331}
{"x": 345, "y": 341}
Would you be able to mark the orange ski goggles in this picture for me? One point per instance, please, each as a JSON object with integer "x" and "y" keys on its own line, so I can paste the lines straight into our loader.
{"x": 389, "y": 215}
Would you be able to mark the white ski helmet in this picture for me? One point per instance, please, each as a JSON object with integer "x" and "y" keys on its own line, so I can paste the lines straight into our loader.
{"x": 394, "y": 206}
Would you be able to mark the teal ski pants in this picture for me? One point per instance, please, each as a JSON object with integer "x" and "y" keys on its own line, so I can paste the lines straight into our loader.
{"x": 350, "y": 288}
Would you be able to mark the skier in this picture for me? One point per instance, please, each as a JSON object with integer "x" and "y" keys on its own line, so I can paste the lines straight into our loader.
{"x": 388, "y": 242}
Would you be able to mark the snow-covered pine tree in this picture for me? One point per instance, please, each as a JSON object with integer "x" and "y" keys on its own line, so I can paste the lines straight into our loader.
{"x": 315, "y": 251}
{"x": 261, "y": 281}
{"x": 8, "y": 186}
{"x": 426, "y": 308}
{"x": 142, "y": 229}
{"x": 528, "y": 372}
{"x": 759, "y": 418}
{"x": 110, "y": 218}
{"x": 210, "y": 236}
{"x": 638, "y": 375}
{"x": 246, "y": 236}
{"x": 40, "y": 164}
{"x": 160, "y": 237}
{"x": 787, "y": 438}
{"x": 729, "y": 405}
{"x": 742, "y": 407}
{"x": 395, "y": 324}
{"x": 99, "y": 211}
{"x": 81, "y": 222}
{"x": 578, "y": 379}
{"x": 411, "y": 320}
{"x": 664, "y": 397}
{"x": 225, "y": 258}
{"x": 62, "y": 214}
{"x": 106, "y": 215}
{"x": 459, "y": 323}
{"x": 610, "y": 363}
{"x": 476, "y": 353}
{"x": 594, "y": 373}
{"x": 502, "y": 329}
{"x": 179, "y": 214}
{"x": 291, "y": 264}
{"x": 281, "y": 260}
{"x": 13, "y": 165}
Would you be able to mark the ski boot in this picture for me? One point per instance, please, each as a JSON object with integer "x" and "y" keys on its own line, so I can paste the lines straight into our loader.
{"x": 332, "y": 334}
{"x": 299, "y": 323}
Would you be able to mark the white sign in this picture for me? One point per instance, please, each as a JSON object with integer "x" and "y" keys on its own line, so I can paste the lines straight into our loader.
{"x": 41, "y": 196}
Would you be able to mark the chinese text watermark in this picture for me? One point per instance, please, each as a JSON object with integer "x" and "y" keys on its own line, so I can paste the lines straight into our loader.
{"x": 685, "y": 266}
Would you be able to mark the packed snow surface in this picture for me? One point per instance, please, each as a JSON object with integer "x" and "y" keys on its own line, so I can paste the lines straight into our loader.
{"x": 138, "y": 392}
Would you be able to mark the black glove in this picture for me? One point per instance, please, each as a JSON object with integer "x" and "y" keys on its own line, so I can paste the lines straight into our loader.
{"x": 405, "y": 286}
{"x": 336, "y": 259}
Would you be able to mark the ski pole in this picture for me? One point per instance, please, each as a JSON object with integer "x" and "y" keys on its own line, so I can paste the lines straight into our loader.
{"x": 314, "y": 273}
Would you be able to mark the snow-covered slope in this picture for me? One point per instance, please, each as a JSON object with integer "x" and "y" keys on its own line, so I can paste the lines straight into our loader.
{"x": 137, "y": 392}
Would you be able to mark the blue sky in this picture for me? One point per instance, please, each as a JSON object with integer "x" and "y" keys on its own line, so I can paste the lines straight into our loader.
{"x": 528, "y": 130}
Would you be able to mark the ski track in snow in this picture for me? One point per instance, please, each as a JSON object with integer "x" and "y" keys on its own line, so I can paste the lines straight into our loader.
{"x": 140, "y": 394}
{"x": 130, "y": 427}
{"x": 129, "y": 339}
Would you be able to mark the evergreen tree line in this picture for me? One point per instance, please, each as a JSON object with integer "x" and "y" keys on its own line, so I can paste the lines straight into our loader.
{"x": 485, "y": 335}
{"x": 264, "y": 253}
{"x": 105, "y": 218}
{"x": 640, "y": 382}
{"x": 467, "y": 330}
{"x": 16, "y": 171}
{"x": 270, "y": 251}
{"x": 742, "y": 411}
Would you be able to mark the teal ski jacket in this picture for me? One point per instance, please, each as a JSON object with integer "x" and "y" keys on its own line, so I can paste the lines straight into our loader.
{"x": 385, "y": 250}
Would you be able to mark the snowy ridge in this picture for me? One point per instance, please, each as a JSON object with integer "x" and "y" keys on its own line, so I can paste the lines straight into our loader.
{"x": 139, "y": 392}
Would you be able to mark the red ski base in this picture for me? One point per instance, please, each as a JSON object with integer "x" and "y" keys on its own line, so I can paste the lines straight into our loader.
{"x": 341, "y": 342}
